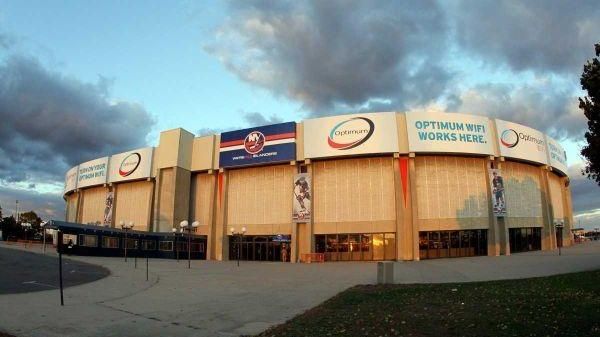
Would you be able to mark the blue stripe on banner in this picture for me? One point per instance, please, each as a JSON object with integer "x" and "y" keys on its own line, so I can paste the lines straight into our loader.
{"x": 268, "y": 130}
{"x": 269, "y": 154}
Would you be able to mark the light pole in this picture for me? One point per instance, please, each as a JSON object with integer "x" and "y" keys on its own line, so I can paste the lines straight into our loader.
{"x": 43, "y": 225}
{"x": 126, "y": 227}
{"x": 186, "y": 226}
{"x": 175, "y": 233}
{"x": 239, "y": 235}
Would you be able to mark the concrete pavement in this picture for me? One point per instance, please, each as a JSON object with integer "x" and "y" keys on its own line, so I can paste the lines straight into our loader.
{"x": 220, "y": 299}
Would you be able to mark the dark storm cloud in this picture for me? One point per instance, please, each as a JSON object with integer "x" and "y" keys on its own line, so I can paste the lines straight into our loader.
{"x": 541, "y": 35}
{"x": 47, "y": 205}
{"x": 543, "y": 106}
{"x": 50, "y": 122}
{"x": 583, "y": 191}
{"x": 338, "y": 55}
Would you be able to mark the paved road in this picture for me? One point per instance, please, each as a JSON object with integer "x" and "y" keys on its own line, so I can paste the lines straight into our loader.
{"x": 220, "y": 299}
{"x": 24, "y": 271}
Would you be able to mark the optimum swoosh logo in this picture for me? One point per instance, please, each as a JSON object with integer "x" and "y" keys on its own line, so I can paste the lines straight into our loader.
{"x": 130, "y": 164}
{"x": 350, "y": 133}
{"x": 509, "y": 138}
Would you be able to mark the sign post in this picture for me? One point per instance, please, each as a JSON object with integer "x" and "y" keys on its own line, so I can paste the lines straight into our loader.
{"x": 559, "y": 237}
{"x": 60, "y": 273}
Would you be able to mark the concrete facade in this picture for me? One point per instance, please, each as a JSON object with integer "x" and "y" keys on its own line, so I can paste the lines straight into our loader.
{"x": 402, "y": 193}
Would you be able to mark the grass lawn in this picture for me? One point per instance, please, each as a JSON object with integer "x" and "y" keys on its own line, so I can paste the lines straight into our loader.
{"x": 563, "y": 305}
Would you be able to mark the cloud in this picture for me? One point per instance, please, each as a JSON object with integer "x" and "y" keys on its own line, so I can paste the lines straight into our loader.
{"x": 47, "y": 205}
{"x": 583, "y": 191}
{"x": 338, "y": 55}
{"x": 252, "y": 119}
{"x": 51, "y": 122}
{"x": 539, "y": 35}
{"x": 544, "y": 106}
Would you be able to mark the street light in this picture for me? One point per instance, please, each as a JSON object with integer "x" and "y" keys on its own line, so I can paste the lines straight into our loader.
{"x": 186, "y": 226}
{"x": 175, "y": 233}
{"x": 239, "y": 235}
{"x": 126, "y": 227}
{"x": 43, "y": 224}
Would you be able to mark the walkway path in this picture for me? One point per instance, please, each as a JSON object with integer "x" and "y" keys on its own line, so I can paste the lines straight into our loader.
{"x": 220, "y": 299}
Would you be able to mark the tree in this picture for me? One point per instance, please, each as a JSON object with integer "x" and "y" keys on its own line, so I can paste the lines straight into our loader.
{"x": 10, "y": 228}
{"x": 590, "y": 81}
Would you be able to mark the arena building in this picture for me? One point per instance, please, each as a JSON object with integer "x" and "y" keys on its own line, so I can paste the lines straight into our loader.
{"x": 372, "y": 186}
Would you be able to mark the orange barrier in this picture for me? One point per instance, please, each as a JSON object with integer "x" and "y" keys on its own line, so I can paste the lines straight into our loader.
{"x": 312, "y": 257}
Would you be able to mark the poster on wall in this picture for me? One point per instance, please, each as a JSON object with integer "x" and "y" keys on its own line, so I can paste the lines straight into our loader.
{"x": 449, "y": 132}
{"x": 497, "y": 186}
{"x": 131, "y": 165}
{"x": 108, "y": 209}
{"x": 302, "y": 198}
{"x": 265, "y": 144}
{"x": 557, "y": 156}
{"x": 93, "y": 172}
{"x": 71, "y": 179}
{"x": 521, "y": 142}
{"x": 351, "y": 134}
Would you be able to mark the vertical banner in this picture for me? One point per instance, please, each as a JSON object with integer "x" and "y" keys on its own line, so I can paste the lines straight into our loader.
{"x": 108, "y": 209}
{"x": 302, "y": 197}
{"x": 497, "y": 186}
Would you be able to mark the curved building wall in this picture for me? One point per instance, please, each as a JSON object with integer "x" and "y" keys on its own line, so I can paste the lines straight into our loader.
{"x": 354, "y": 195}
{"x": 71, "y": 200}
{"x": 523, "y": 193}
{"x": 260, "y": 199}
{"x": 451, "y": 192}
{"x": 556, "y": 196}
{"x": 93, "y": 201}
{"x": 134, "y": 203}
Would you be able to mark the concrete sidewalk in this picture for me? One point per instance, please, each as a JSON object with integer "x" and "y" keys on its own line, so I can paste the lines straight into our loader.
{"x": 220, "y": 299}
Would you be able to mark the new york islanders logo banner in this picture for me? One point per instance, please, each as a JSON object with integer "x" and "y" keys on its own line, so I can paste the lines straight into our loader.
{"x": 253, "y": 146}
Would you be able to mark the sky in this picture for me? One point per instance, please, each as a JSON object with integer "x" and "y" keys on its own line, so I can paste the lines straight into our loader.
{"x": 84, "y": 79}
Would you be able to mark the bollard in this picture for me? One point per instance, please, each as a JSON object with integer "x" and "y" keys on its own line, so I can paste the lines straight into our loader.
{"x": 385, "y": 272}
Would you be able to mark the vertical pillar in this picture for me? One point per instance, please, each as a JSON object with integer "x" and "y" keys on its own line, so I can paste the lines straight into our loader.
{"x": 548, "y": 229}
{"x": 404, "y": 232}
{"x": 221, "y": 242}
{"x": 496, "y": 244}
{"x": 568, "y": 212}
{"x": 412, "y": 242}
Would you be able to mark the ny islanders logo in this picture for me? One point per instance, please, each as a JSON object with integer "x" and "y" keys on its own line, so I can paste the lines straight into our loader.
{"x": 350, "y": 133}
{"x": 130, "y": 164}
{"x": 509, "y": 138}
{"x": 254, "y": 142}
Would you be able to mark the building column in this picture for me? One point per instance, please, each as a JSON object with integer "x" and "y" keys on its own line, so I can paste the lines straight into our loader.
{"x": 548, "y": 230}
{"x": 568, "y": 210}
{"x": 221, "y": 242}
{"x": 412, "y": 240}
{"x": 496, "y": 226}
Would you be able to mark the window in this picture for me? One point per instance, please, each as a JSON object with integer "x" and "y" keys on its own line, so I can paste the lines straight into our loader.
{"x": 197, "y": 247}
{"x": 165, "y": 246}
{"x": 69, "y": 238}
{"x": 148, "y": 245}
{"x": 525, "y": 239}
{"x": 452, "y": 243}
{"x": 356, "y": 247}
{"x": 131, "y": 243}
{"x": 110, "y": 242}
{"x": 88, "y": 240}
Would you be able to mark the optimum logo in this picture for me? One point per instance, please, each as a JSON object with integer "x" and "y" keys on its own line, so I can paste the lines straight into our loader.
{"x": 130, "y": 164}
{"x": 509, "y": 138}
{"x": 351, "y": 133}
{"x": 254, "y": 142}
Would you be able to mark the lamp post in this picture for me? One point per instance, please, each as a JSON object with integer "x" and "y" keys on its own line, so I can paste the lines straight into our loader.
{"x": 239, "y": 236}
{"x": 177, "y": 234}
{"x": 126, "y": 227}
{"x": 43, "y": 225}
{"x": 185, "y": 225}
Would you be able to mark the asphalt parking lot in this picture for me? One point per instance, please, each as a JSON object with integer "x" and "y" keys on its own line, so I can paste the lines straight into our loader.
{"x": 24, "y": 271}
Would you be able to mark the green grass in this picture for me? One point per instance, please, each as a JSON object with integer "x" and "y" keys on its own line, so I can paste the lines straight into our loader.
{"x": 563, "y": 305}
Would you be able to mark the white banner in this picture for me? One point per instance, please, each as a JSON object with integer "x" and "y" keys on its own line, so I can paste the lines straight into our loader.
{"x": 136, "y": 164}
{"x": 71, "y": 179}
{"x": 350, "y": 134}
{"x": 449, "y": 132}
{"x": 302, "y": 198}
{"x": 557, "y": 156}
{"x": 93, "y": 172}
{"x": 522, "y": 142}
{"x": 497, "y": 187}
